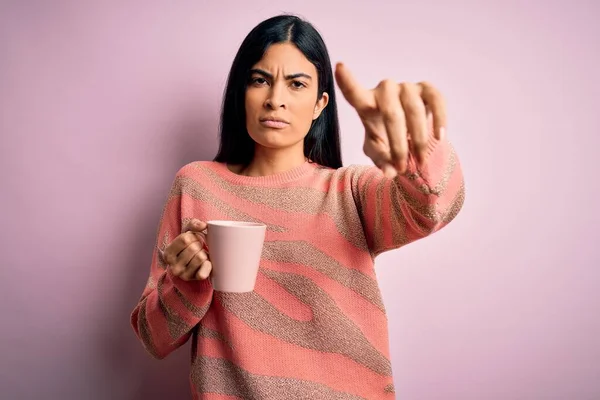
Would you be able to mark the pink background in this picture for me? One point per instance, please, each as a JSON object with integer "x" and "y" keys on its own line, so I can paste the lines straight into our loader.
{"x": 101, "y": 103}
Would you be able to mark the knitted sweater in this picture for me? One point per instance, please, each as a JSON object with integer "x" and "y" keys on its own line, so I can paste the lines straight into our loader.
{"x": 315, "y": 326}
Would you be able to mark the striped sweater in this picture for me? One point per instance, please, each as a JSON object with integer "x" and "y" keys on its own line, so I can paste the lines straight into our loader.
{"x": 315, "y": 326}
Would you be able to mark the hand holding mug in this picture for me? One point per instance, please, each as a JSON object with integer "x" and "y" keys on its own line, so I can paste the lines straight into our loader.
{"x": 186, "y": 256}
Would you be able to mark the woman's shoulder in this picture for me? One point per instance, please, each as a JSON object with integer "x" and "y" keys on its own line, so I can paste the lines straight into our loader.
{"x": 194, "y": 168}
{"x": 348, "y": 170}
{"x": 347, "y": 177}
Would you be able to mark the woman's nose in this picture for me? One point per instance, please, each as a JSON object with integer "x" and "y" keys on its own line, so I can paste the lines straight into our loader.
{"x": 276, "y": 98}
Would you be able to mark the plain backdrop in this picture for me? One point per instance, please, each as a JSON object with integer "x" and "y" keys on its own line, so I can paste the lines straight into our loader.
{"x": 101, "y": 102}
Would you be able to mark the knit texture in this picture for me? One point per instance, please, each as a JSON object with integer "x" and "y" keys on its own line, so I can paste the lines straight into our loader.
{"x": 315, "y": 326}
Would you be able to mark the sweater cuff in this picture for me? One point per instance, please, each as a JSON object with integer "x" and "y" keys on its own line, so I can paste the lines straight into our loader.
{"x": 190, "y": 294}
{"x": 428, "y": 173}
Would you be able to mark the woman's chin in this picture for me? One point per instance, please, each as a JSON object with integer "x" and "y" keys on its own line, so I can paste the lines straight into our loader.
{"x": 274, "y": 140}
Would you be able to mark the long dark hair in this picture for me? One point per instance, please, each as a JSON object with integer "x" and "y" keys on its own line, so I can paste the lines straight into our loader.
{"x": 322, "y": 143}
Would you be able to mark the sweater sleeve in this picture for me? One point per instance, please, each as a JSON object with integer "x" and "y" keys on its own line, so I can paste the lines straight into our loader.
{"x": 395, "y": 212}
{"x": 169, "y": 307}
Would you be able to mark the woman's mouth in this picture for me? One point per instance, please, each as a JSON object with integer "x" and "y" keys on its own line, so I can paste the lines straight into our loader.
{"x": 274, "y": 123}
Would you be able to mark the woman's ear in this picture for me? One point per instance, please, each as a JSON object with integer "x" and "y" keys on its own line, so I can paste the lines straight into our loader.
{"x": 320, "y": 105}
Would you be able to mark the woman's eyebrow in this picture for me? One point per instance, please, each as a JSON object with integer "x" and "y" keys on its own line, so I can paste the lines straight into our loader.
{"x": 287, "y": 77}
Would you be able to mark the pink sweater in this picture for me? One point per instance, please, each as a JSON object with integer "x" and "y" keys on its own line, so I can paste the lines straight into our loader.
{"x": 315, "y": 326}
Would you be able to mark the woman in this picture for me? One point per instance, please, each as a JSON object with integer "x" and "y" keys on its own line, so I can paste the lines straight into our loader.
{"x": 315, "y": 325}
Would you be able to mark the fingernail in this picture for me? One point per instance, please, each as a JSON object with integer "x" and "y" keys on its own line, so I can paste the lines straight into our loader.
{"x": 442, "y": 133}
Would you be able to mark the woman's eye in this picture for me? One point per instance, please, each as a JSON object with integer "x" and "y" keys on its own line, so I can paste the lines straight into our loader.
{"x": 298, "y": 84}
{"x": 259, "y": 81}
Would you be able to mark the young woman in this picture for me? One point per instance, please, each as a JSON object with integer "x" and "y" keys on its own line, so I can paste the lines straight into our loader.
{"x": 315, "y": 326}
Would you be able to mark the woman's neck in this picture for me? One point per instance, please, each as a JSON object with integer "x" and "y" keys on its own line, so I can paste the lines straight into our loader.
{"x": 270, "y": 162}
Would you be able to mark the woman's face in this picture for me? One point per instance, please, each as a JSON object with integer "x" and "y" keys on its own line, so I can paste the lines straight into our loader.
{"x": 281, "y": 98}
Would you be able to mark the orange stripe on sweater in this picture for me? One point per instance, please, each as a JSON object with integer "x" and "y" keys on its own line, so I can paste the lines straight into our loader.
{"x": 252, "y": 348}
{"x": 353, "y": 305}
{"x": 335, "y": 246}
